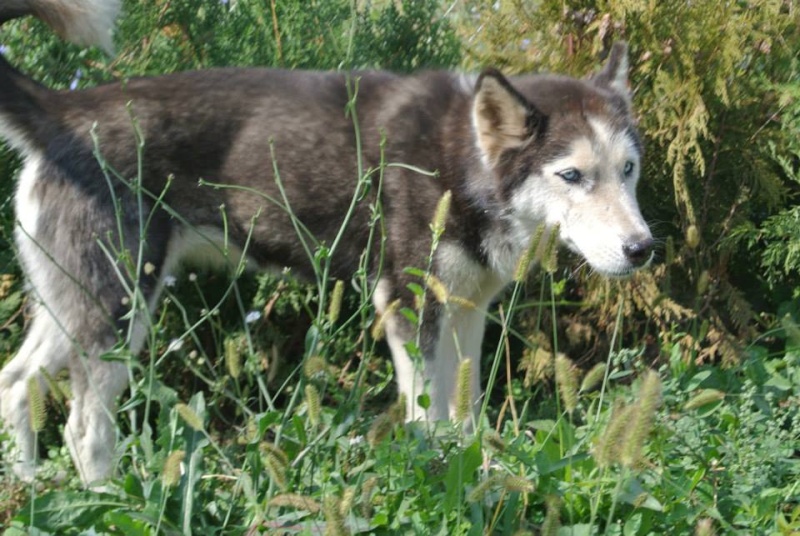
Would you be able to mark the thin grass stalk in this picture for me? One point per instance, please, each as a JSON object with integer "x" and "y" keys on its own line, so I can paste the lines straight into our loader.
{"x": 512, "y": 303}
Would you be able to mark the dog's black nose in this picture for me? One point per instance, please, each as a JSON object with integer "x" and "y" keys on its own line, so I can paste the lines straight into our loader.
{"x": 638, "y": 252}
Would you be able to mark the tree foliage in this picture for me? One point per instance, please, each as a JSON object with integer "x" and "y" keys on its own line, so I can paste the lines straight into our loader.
{"x": 716, "y": 89}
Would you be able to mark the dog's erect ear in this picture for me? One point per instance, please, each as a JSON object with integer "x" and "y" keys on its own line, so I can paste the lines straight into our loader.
{"x": 503, "y": 118}
{"x": 614, "y": 74}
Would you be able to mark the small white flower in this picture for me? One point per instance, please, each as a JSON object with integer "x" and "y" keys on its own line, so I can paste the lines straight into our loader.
{"x": 357, "y": 440}
{"x": 149, "y": 268}
{"x": 252, "y": 316}
{"x": 175, "y": 345}
{"x": 192, "y": 277}
{"x": 170, "y": 280}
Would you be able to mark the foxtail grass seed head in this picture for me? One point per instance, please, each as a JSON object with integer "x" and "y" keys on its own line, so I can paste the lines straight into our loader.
{"x": 703, "y": 282}
{"x": 366, "y": 496}
{"x": 334, "y": 526}
{"x": 276, "y": 470}
{"x": 524, "y": 263}
{"x": 518, "y": 484}
{"x": 537, "y": 363}
{"x": 233, "y": 357}
{"x": 494, "y": 441}
{"x": 189, "y": 416}
{"x": 379, "y": 325}
{"x": 550, "y": 255}
{"x": 336, "y": 302}
{"x": 593, "y": 378}
{"x": 315, "y": 367}
{"x": 461, "y": 302}
{"x": 6, "y": 285}
{"x": 464, "y": 391}
{"x": 609, "y": 445}
{"x": 348, "y": 498}
{"x": 381, "y": 427}
{"x": 54, "y": 387}
{"x": 692, "y": 237}
{"x": 552, "y": 517}
{"x": 296, "y": 501}
{"x": 397, "y": 411}
{"x": 479, "y": 492}
{"x": 271, "y": 449}
{"x": 36, "y": 407}
{"x": 250, "y": 433}
{"x": 173, "y": 470}
{"x": 704, "y": 397}
{"x": 438, "y": 289}
{"x": 567, "y": 382}
{"x": 313, "y": 404}
{"x": 440, "y": 216}
{"x": 643, "y": 417}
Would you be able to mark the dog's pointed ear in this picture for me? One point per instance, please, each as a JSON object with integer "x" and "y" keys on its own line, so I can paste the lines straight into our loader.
{"x": 614, "y": 75}
{"x": 503, "y": 118}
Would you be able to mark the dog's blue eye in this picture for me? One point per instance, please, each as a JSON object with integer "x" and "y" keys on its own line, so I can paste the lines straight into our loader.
{"x": 570, "y": 175}
{"x": 628, "y": 170}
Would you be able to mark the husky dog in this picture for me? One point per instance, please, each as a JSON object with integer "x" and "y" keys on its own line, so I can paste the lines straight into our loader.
{"x": 515, "y": 154}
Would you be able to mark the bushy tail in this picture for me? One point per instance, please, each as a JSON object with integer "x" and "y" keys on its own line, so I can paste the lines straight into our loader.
{"x": 85, "y": 22}
{"x": 22, "y": 114}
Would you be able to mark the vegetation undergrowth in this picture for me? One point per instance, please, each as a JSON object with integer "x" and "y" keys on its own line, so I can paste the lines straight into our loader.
{"x": 266, "y": 406}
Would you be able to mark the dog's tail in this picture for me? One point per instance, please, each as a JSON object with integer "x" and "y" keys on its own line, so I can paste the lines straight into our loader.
{"x": 85, "y": 22}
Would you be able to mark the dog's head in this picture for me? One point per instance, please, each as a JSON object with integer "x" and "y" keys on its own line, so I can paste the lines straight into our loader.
{"x": 566, "y": 152}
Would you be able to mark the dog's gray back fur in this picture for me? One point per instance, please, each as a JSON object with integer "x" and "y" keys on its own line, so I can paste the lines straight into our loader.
{"x": 266, "y": 142}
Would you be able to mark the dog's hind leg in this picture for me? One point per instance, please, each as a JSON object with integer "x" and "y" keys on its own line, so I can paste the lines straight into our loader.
{"x": 82, "y": 261}
{"x": 42, "y": 350}
{"x": 90, "y": 431}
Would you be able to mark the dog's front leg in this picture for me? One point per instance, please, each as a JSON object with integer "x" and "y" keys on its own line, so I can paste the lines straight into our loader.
{"x": 460, "y": 338}
{"x": 447, "y": 335}
{"x": 416, "y": 375}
